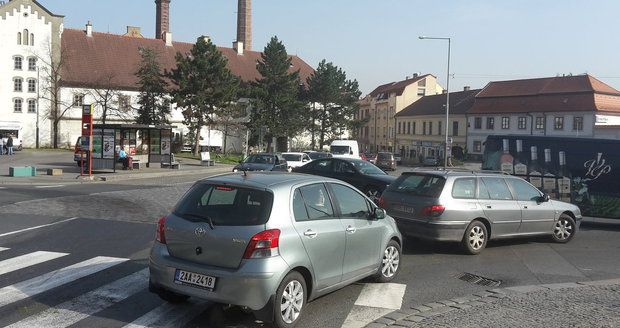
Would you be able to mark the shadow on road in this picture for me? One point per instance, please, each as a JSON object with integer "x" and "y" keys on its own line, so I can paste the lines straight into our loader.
{"x": 604, "y": 226}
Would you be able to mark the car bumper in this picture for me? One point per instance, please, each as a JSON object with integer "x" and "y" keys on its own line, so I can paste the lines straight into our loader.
{"x": 432, "y": 230}
{"x": 251, "y": 284}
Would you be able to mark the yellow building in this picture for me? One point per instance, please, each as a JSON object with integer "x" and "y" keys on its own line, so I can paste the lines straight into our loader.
{"x": 420, "y": 127}
{"x": 383, "y": 103}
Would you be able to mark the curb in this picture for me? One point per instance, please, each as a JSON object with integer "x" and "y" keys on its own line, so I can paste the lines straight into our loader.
{"x": 413, "y": 316}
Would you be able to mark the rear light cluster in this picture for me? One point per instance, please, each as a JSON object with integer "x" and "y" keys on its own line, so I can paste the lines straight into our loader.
{"x": 263, "y": 244}
{"x": 161, "y": 225}
{"x": 433, "y": 210}
{"x": 381, "y": 202}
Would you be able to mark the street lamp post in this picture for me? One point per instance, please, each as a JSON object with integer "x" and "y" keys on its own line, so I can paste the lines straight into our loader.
{"x": 38, "y": 100}
{"x": 447, "y": 96}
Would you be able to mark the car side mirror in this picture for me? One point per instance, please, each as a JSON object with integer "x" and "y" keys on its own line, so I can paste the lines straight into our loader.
{"x": 379, "y": 214}
{"x": 544, "y": 198}
{"x": 351, "y": 152}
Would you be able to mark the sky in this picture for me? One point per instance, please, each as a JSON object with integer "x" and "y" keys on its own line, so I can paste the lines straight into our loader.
{"x": 376, "y": 41}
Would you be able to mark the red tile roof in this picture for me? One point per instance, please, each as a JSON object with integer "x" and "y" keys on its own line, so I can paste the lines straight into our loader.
{"x": 396, "y": 87}
{"x": 460, "y": 103}
{"x": 91, "y": 61}
{"x": 553, "y": 94}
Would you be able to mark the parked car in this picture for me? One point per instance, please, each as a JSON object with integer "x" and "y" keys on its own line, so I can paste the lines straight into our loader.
{"x": 319, "y": 154}
{"x": 271, "y": 242}
{"x": 362, "y": 174}
{"x": 78, "y": 158}
{"x": 296, "y": 159}
{"x": 430, "y": 161}
{"x": 371, "y": 157}
{"x": 398, "y": 158}
{"x": 262, "y": 162}
{"x": 474, "y": 207}
{"x": 386, "y": 161}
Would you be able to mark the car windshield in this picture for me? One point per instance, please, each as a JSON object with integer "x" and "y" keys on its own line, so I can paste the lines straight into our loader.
{"x": 225, "y": 205}
{"x": 260, "y": 159}
{"x": 366, "y": 167}
{"x": 292, "y": 157}
{"x": 340, "y": 150}
{"x": 384, "y": 156}
{"x": 318, "y": 155}
{"x": 424, "y": 185}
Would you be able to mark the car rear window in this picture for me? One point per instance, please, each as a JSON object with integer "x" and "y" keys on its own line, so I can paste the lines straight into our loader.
{"x": 385, "y": 156}
{"x": 424, "y": 185}
{"x": 225, "y": 205}
{"x": 292, "y": 157}
{"x": 464, "y": 188}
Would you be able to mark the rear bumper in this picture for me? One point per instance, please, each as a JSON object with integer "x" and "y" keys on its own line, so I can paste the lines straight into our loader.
{"x": 251, "y": 284}
{"x": 432, "y": 230}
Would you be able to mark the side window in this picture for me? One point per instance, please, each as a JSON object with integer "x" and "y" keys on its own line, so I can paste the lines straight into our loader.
{"x": 323, "y": 166}
{"x": 464, "y": 188}
{"x": 317, "y": 202}
{"x": 299, "y": 207}
{"x": 343, "y": 167}
{"x": 483, "y": 192}
{"x": 350, "y": 202}
{"x": 523, "y": 190}
{"x": 498, "y": 189}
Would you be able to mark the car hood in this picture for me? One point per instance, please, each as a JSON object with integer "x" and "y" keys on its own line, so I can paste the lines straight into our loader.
{"x": 563, "y": 206}
{"x": 254, "y": 167}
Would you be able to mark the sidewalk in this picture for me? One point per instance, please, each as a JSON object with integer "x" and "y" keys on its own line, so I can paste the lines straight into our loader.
{"x": 63, "y": 159}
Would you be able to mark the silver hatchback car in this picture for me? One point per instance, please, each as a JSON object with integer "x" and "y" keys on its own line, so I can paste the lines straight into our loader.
{"x": 271, "y": 242}
{"x": 473, "y": 207}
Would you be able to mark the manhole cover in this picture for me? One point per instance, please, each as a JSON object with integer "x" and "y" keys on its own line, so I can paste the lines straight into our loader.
{"x": 478, "y": 280}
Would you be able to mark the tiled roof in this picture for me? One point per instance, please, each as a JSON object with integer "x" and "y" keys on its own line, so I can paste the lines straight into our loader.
{"x": 396, "y": 87}
{"x": 460, "y": 103}
{"x": 553, "y": 94}
{"x": 91, "y": 61}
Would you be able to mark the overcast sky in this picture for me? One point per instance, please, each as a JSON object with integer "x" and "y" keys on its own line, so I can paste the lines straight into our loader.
{"x": 376, "y": 41}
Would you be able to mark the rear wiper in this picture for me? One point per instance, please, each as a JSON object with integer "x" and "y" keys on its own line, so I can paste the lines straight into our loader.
{"x": 204, "y": 218}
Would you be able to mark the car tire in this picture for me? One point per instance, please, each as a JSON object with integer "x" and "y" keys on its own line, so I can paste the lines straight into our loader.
{"x": 373, "y": 193}
{"x": 172, "y": 297}
{"x": 290, "y": 300}
{"x": 390, "y": 263}
{"x": 564, "y": 229}
{"x": 475, "y": 238}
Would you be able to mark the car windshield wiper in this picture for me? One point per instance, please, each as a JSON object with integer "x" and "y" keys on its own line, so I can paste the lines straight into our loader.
{"x": 201, "y": 217}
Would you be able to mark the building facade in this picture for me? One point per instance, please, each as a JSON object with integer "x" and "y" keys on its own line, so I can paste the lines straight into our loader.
{"x": 383, "y": 103}
{"x": 565, "y": 106}
{"x": 420, "y": 127}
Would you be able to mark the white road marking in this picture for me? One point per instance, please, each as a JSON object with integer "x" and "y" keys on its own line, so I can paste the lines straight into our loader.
{"x": 77, "y": 309}
{"x": 375, "y": 301}
{"x": 169, "y": 315}
{"x": 55, "y": 278}
{"x": 37, "y": 227}
{"x": 52, "y": 186}
{"x": 3, "y": 249}
{"x": 27, "y": 260}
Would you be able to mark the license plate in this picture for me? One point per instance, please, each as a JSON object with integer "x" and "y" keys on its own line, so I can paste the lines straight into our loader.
{"x": 194, "y": 279}
{"x": 404, "y": 208}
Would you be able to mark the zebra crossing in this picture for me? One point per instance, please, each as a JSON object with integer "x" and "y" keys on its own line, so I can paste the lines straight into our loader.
{"x": 91, "y": 302}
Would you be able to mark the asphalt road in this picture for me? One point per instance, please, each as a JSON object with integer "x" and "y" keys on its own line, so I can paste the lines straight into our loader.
{"x": 116, "y": 221}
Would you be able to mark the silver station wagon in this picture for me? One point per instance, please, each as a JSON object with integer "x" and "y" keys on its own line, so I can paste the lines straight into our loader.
{"x": 473, "y": 207}
{"x": 271, "y": 242}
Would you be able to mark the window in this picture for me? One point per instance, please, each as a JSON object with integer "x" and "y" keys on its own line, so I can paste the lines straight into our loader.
{"x": 343, "y": 167}
{"x": 497, "y": 188}
{"x": 409, "y": 127}
{"x": 424, "y": 128}
{"x": 17, "y": 63}
{"x": 464, "y": 188}
{"x": 316, "y": 199}
{"x": 353, "y": 204}
{"x": 26, "y": 35}
{"x": 413, "y": 131}
{"x": 578, "y": 123}
{"x": 18, "y": 84}
{"x": 299, "y": 207}
{"x": 455, "y": 128}
{"x": 505, "y": 122}
{"x": 522, "y": 124}
{"x": 478, "y": 123}
{"x": 323, "y": 166}
{"x": 439, "y": 128}
{"x": 124, "y": 102}
{"x": 32, "y": 85}
{"x": 558, "y": 123}
{"x": 32, "y": 64}
{"x": 422, "y": 83}
{"x": 31, "y": 39}
{"x": 490, "y": 123}
{"x": 399, "y": 127}
{"x": 17, "y": 105}
{"x": 477, "y": 146}
{"x": 430, "y": 128}
{"x": 540, "y": 123}
{"x": 523, "y": 190}
{"x": 19, "y": 38}
{"x": 420, "y": 185}
{"x": 78, "y": 100}
{"x": 421, "y": 92}
{"x": 32, "y": 106}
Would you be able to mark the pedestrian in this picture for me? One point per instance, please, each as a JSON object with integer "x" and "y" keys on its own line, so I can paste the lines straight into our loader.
{"x": 1, "y": 145}
{"x": 9, "y": 145}
{"x": 122, "y": 156}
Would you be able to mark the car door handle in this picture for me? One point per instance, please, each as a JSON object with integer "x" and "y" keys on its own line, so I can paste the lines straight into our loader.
{"x": 351, "y": 229}
{"x": 310, "y": 234}
{"x": 525, "y": 207}
{"x": 489, "y": 206}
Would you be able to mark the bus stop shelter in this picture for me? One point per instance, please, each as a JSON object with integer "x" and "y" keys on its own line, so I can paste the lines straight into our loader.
{"x": 146, "y": 144}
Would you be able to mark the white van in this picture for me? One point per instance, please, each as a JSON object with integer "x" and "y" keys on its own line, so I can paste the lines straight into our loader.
{"x": 345, "y": 148}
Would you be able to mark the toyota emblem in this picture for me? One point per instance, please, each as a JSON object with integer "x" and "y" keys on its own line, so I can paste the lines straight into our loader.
{"x": 200, "y": 231}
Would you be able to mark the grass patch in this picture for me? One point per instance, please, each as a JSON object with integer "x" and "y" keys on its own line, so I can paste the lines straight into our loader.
{"x": 218, "y": 158}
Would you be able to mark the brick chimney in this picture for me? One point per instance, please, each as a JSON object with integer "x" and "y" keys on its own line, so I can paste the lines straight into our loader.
{"x": 244, "y": 24}
{"x": 162, "y": 19}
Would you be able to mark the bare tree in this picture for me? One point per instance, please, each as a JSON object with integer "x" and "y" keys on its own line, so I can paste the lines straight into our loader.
{"x": 232, "y": 119}
{"x": 112, "y": 102}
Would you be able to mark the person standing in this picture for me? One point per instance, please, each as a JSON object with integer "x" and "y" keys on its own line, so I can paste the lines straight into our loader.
{"x": 9, "y": 145}
{"x": 1, "y": 145}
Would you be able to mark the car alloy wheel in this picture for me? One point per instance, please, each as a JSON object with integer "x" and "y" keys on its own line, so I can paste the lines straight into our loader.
{"x": 292, "y": 301}
{"x": 390, "y": 262}
{"x": 476, "y": 237}
{"x": 373, "y": 193}
{"x": 564, "y": 229}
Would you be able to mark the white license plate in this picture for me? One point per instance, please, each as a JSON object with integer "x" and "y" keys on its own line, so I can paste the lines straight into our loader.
{"x": 194, "y": 279}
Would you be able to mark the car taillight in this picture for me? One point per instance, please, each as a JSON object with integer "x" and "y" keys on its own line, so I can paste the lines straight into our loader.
{"x": 161, "y": 225}
{"x": 381, "y": 202}
{"x": 434, "y": 210}
{"x": 263, "y": 244}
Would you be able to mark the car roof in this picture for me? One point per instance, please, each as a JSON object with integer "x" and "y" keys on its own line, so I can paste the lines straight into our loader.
{"x": 293, "y": 153}
{"x": 456, "y": 172}
{"x": 265, "y": 180}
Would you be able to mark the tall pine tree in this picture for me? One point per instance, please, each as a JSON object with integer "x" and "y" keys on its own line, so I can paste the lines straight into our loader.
{"x": 153, "y": 100}
{"x": 275, "y": 103}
